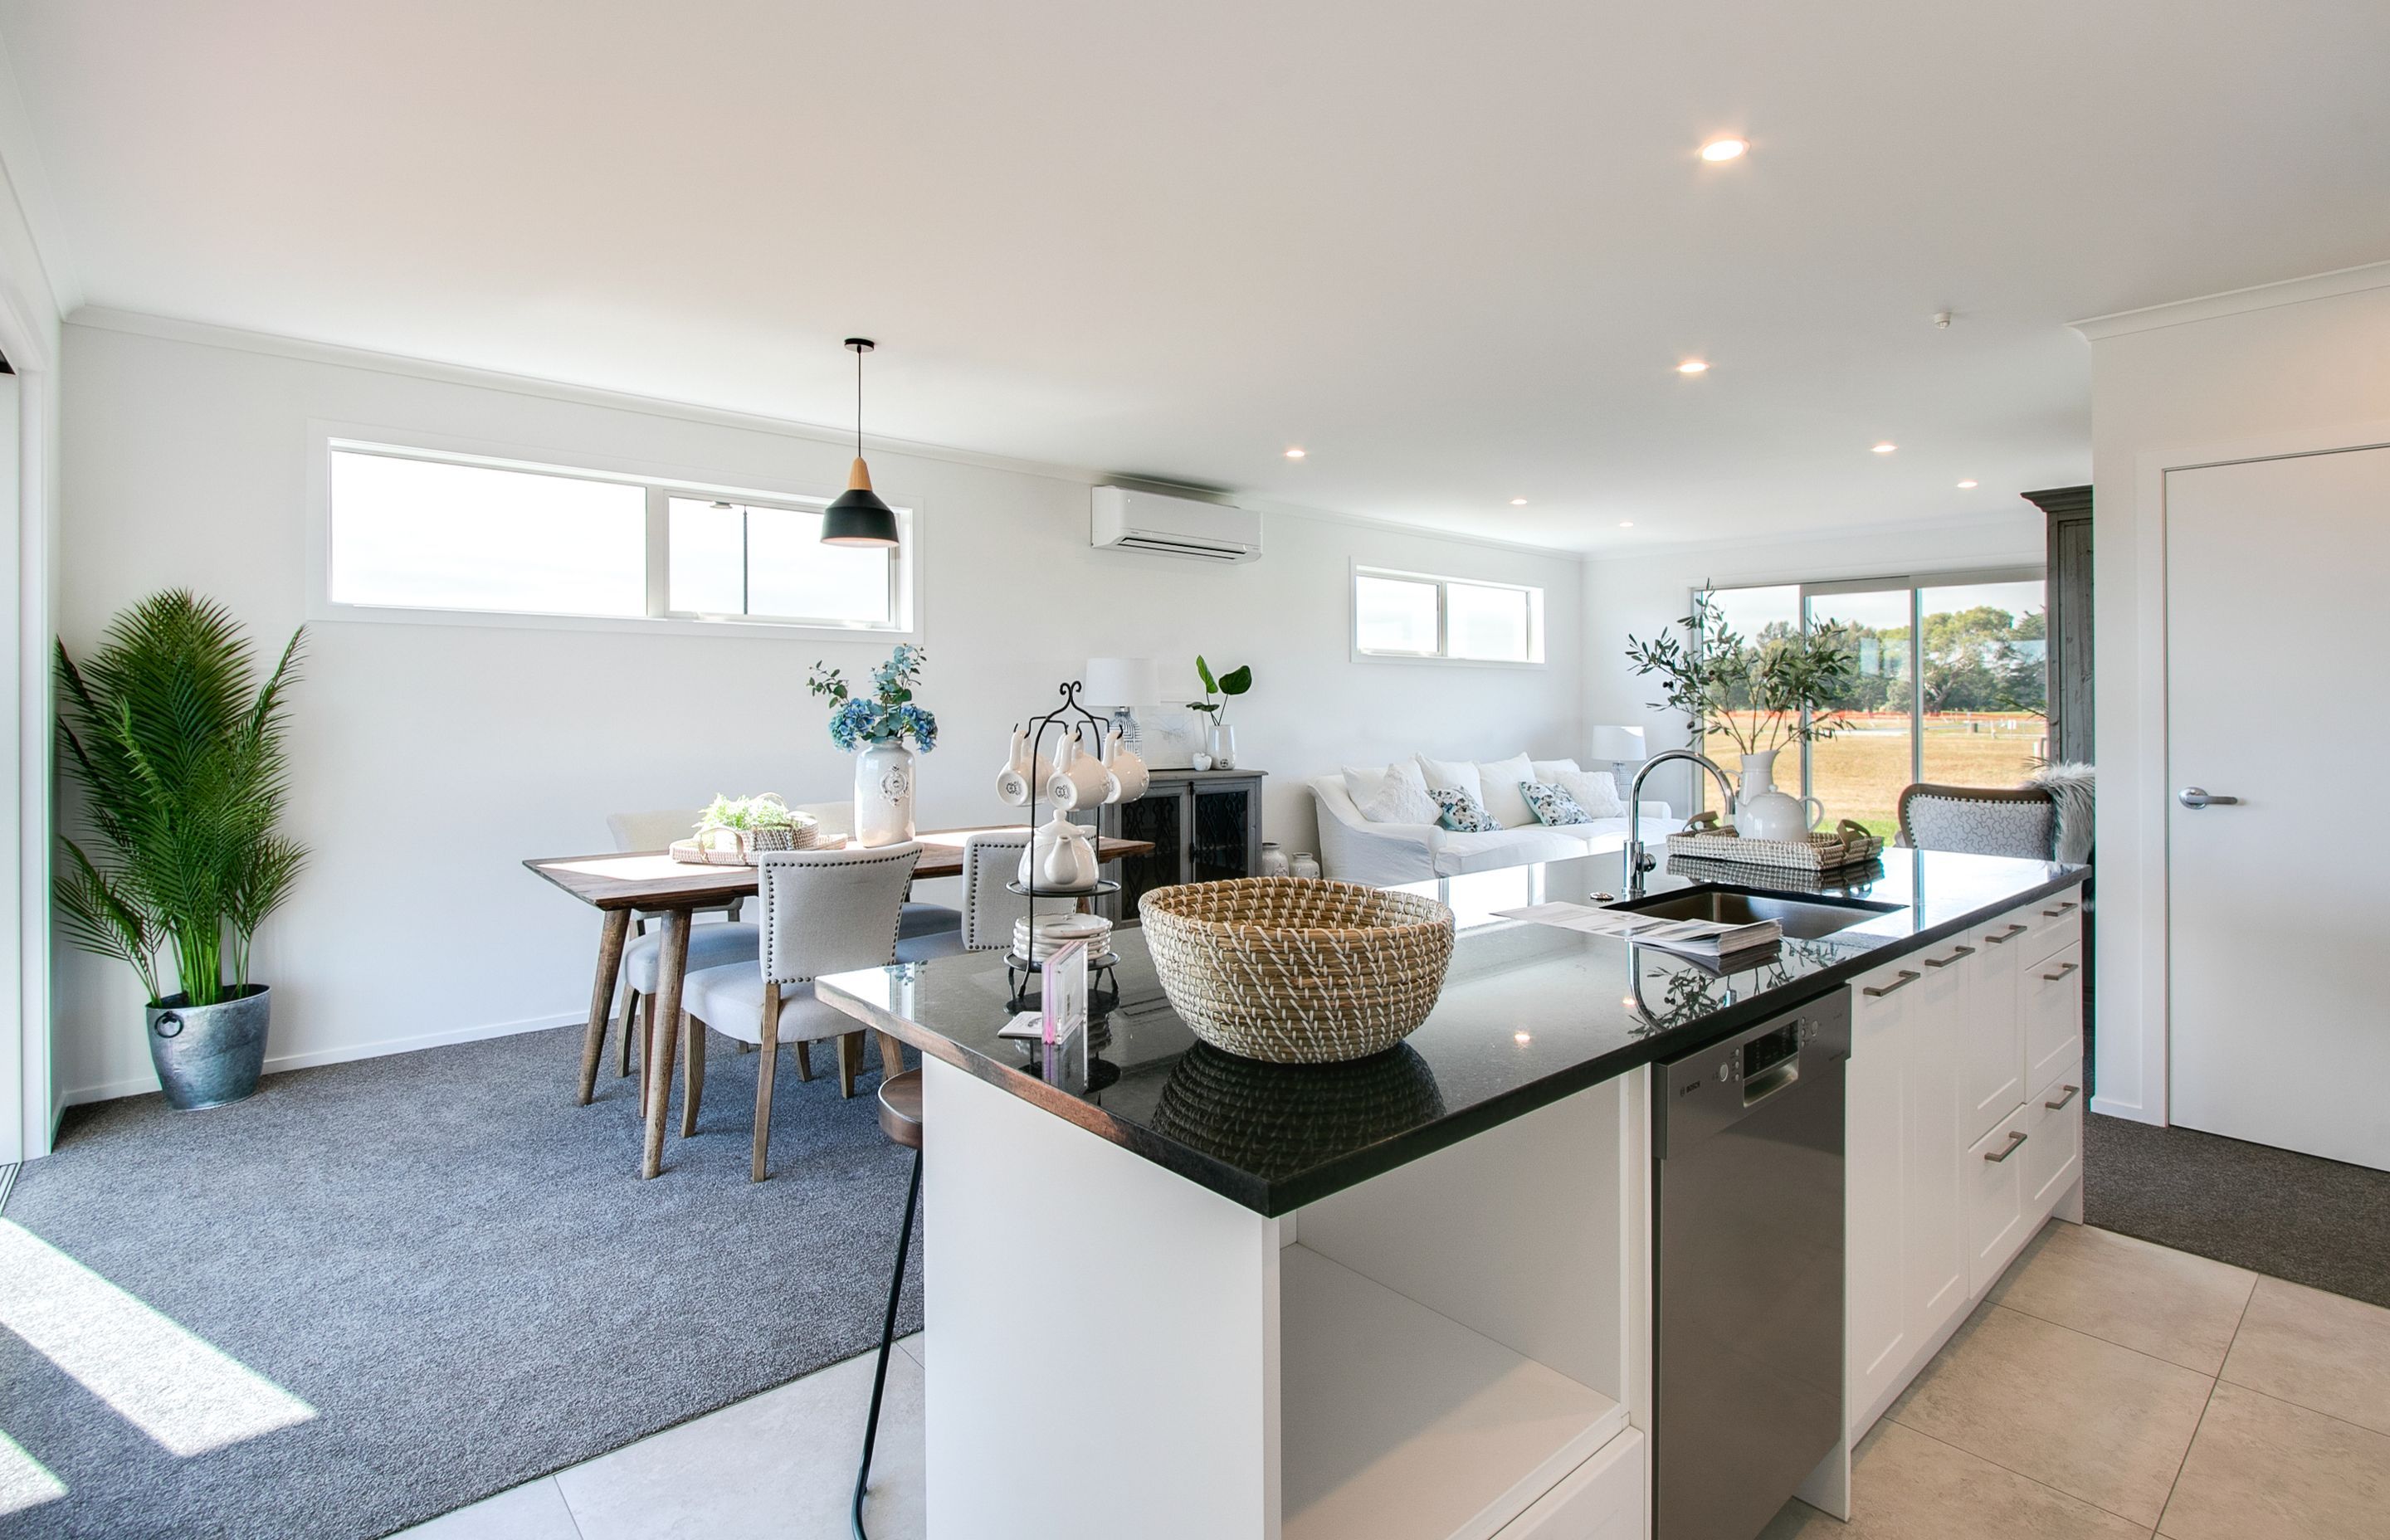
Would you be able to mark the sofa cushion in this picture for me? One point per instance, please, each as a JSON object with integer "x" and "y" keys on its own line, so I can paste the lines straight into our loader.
{"x": 1400, "y": 801}
{"x": 1457, "y": 775}
{"x": 1361, "y": 782}
{"x": 1595, "y": 791}
{"x": 1552, "y": 769}
{"x": 1498, "y": 782}
{"x": 1463, "y": 813}
{"x": 1553, "y": 804}
{"x": 1492, "y": 849}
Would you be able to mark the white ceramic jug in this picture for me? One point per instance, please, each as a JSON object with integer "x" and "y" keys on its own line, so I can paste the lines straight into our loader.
{"x": 1020, "y": 772}
{"x": 1127, "y": 767}
{"x": 1764, "y": 813}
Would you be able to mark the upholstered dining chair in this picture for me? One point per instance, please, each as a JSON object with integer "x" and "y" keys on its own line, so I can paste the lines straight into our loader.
{"x": 818, "y": 911}
{"x": 991, "y": 860}
{"x": 709, "y": 945}
{"x": 928, "y": 924}
{"x": 1979, "y": 820}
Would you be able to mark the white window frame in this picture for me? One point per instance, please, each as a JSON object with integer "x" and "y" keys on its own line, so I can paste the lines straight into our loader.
{"x": 661, "y": 484}
{"x": 1441, "y": 655}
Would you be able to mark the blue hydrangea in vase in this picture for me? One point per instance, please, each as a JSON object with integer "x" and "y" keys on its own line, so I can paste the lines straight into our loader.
{"x": 883, "y": 730}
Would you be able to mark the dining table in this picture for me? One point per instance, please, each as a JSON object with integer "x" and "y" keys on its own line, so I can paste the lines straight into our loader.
{"x": 653, "y": 883}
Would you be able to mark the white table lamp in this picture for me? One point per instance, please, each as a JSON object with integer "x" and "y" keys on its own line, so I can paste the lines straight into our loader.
{"x": 1620, "y": 745}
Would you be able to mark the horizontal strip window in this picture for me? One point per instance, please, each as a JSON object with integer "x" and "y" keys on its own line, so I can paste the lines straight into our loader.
{"x": 1458, "y": 619}
{"x": 422, "y": 530}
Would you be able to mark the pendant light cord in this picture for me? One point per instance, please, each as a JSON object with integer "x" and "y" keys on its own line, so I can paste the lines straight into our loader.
{"x": 858, "y": 404}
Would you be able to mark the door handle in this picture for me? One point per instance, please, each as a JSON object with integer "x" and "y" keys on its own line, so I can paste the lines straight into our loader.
{"x": 2063, "y": 969}
{"x": 2072, "y": 1092}
{"x": 2197, "y": 797}
{"x": 2015, "y": 1139}
{"x": 1944, "y": 962}
{"x": 1902, "y": 981}
{"x": 2012, "y": 933}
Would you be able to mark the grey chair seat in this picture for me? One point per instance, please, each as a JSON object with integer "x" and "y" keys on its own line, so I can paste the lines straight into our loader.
{"x": 927, "y": 920}
{"x": 709, "y": 947}
{"x": 730, "y": 1000}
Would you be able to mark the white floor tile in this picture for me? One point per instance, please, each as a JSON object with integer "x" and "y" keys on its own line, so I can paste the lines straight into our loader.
{"x": 779, "y": 1465}
{"x": 534, "y": 1511}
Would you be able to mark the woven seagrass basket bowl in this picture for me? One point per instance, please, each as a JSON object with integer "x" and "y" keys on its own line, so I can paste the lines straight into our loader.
{"x": 1297, "y": 970}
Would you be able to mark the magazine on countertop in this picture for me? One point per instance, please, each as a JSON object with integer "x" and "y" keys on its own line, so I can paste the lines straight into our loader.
{"x": 1703, "y": 940}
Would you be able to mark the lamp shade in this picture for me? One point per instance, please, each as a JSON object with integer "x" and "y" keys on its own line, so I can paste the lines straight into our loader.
{"x": 1112, "y": 682}
{"x": 857, "y": 517}
{"x": 1620, "y": 745}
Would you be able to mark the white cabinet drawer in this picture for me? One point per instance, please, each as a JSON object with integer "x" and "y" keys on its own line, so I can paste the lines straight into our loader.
{"x": 2053, "y": 993}
{"x": 1602, "y": 1499}
{"x": 1993, "y": 1180}
{"x": 2057, "y": 922}
{"x": 2052, "y": 1158}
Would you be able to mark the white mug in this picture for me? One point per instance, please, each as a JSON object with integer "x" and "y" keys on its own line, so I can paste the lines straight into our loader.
{"x": 1079, "y": 778}
{"x": 1127, "y": 767}
{"x": 1013, "y": 783}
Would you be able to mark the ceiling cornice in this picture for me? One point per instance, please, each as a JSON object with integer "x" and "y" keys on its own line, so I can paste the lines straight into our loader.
{"x": 2236, "y": 301}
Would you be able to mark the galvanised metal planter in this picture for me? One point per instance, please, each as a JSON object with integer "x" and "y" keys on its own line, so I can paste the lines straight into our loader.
{"x": 209, "y": 1055}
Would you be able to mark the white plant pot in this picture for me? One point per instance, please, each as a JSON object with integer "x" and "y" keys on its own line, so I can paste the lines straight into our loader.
{"x": 883, "y": 795}
{"x": 1764, "y": 813}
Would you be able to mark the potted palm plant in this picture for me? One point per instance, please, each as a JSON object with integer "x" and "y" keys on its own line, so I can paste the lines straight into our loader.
{"x": 178, "y": 753}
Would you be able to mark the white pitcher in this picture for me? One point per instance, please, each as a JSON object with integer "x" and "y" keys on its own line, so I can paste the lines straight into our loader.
{"x": 1764, "y": 813}
{"x": 1127, "y": 767}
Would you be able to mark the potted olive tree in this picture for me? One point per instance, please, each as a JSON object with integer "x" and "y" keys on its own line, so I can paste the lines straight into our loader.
{"x": 178, "y": 751}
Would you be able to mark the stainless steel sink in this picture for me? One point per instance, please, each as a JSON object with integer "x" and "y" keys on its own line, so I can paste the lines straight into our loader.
{"x": 1806, "y": 917}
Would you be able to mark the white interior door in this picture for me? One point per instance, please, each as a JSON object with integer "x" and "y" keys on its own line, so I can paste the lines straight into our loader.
{"x": 2278, "y": 693}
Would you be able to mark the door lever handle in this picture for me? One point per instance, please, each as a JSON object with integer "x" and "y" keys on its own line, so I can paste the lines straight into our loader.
{"x": 2197, "y": 797}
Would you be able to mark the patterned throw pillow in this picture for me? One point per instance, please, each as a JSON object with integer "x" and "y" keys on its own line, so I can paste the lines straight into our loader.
{"x": 1595, "y": 791}
{"x": 1462, "y": 813}
{"x": 1553, "y": 804}
{"x": 1397, "y": 801}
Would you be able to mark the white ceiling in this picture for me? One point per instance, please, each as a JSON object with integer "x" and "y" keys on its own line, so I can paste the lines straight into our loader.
{"x": 1453, "y": 251}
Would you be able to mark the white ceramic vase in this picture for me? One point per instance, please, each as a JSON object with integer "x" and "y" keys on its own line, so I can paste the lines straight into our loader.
{"x": 1764, "y": 813}
{"x": 1224, "y": 747}
{"x": 883, "y": 795}
{"x": 1274, "y": 861}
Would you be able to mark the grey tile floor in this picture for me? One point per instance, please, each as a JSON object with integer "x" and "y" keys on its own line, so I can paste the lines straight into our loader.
{"x": 2109, "y": 1389}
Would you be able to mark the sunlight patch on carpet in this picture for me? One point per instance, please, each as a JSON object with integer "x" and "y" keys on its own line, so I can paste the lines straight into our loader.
{"x": 173, "y": 1385}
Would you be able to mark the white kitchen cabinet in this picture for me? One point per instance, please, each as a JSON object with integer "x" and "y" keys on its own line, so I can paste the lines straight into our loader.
{"x": 1935, "y": 1291}
{"x": 1993, "y": 1185}
{"x": 1875, "y": 1209}
{"x": 1993, "y": 1083}
{"x": 2054, "y": 1157}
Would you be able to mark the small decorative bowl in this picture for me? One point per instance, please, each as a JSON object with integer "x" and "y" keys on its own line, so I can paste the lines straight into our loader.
{"x": 1297, "y": 970}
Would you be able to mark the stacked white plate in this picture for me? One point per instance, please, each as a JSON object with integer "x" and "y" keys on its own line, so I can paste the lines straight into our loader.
{"x": 1055, "y": 930}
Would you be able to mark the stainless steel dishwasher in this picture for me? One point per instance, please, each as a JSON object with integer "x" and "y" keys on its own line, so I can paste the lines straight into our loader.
{"x": 1748, "y": 1179}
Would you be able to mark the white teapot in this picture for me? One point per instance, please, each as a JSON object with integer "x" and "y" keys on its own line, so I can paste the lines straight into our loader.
{"x": 1059, "y": 858}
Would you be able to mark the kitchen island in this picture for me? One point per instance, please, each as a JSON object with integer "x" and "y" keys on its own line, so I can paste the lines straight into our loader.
{"x": 1175, "y": 1292}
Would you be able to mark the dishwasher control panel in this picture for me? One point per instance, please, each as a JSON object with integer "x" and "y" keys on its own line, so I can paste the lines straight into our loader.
{"x": 1717, "y": 1087}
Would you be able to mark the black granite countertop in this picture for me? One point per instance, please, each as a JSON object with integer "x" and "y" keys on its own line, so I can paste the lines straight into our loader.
{"x": 1529, "y": 1014}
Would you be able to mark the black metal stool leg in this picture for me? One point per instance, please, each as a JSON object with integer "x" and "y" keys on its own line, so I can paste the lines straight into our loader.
{"x": 887, "y": 1339}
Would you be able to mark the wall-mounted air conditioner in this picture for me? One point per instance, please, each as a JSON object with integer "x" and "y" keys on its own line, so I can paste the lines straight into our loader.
{"x": 1128, "y": 521}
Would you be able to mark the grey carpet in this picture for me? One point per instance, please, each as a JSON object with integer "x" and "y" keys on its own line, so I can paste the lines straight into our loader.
{"x": 459, "y": 1269}
{"x": 2293, "y": 1216}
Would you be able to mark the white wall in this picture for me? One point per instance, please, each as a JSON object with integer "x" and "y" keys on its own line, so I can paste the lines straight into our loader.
{"x": 2193, "y": 385}
{"x": 1644, "y": 594}
{"x": 429, "y": 761}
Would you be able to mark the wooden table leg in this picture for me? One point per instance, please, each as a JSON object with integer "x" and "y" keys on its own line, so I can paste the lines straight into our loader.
{"x": 665, "y": 1037}
{"x": 601, "y": 998}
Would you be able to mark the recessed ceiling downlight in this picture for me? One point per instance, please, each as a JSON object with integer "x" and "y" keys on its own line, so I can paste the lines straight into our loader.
{"x": 1518, "y": 502}
{"x": 1294, "y": 454}
{"x": 1969, "y": 486}
{"x": 1626, "y": 523}
{"x": 1728, "y": 148}
{"x": 1693, "y": 365}
{"x": 1887, "y": 447}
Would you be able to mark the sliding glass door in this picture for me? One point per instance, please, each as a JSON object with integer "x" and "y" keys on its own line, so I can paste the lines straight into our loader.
{"x": 1949, "y": 683}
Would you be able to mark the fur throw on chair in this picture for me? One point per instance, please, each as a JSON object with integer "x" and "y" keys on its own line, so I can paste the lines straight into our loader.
{"x": 2074, "y": 788}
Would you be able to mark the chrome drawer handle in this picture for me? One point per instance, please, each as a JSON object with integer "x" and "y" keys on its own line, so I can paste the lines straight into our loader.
{"x": 2008, "y": 935}
{"x": 1901, "y": 981}
{"x": 1944, "y": 962}
{"x": 2063, "y": 969}
{"x": 2015, "y": 1139}
{"x": 2064, "y": 908}
{"x": 2060, "y": 1105}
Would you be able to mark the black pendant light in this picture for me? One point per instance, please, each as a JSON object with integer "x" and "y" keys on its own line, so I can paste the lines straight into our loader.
{"x": 858, "y": 516}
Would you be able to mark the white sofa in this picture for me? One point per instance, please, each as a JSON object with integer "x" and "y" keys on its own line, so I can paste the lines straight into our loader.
{"x": 1355, "y": 850}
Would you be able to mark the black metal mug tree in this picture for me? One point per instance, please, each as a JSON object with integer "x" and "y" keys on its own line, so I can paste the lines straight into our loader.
{"x": 1020, "y": 966}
